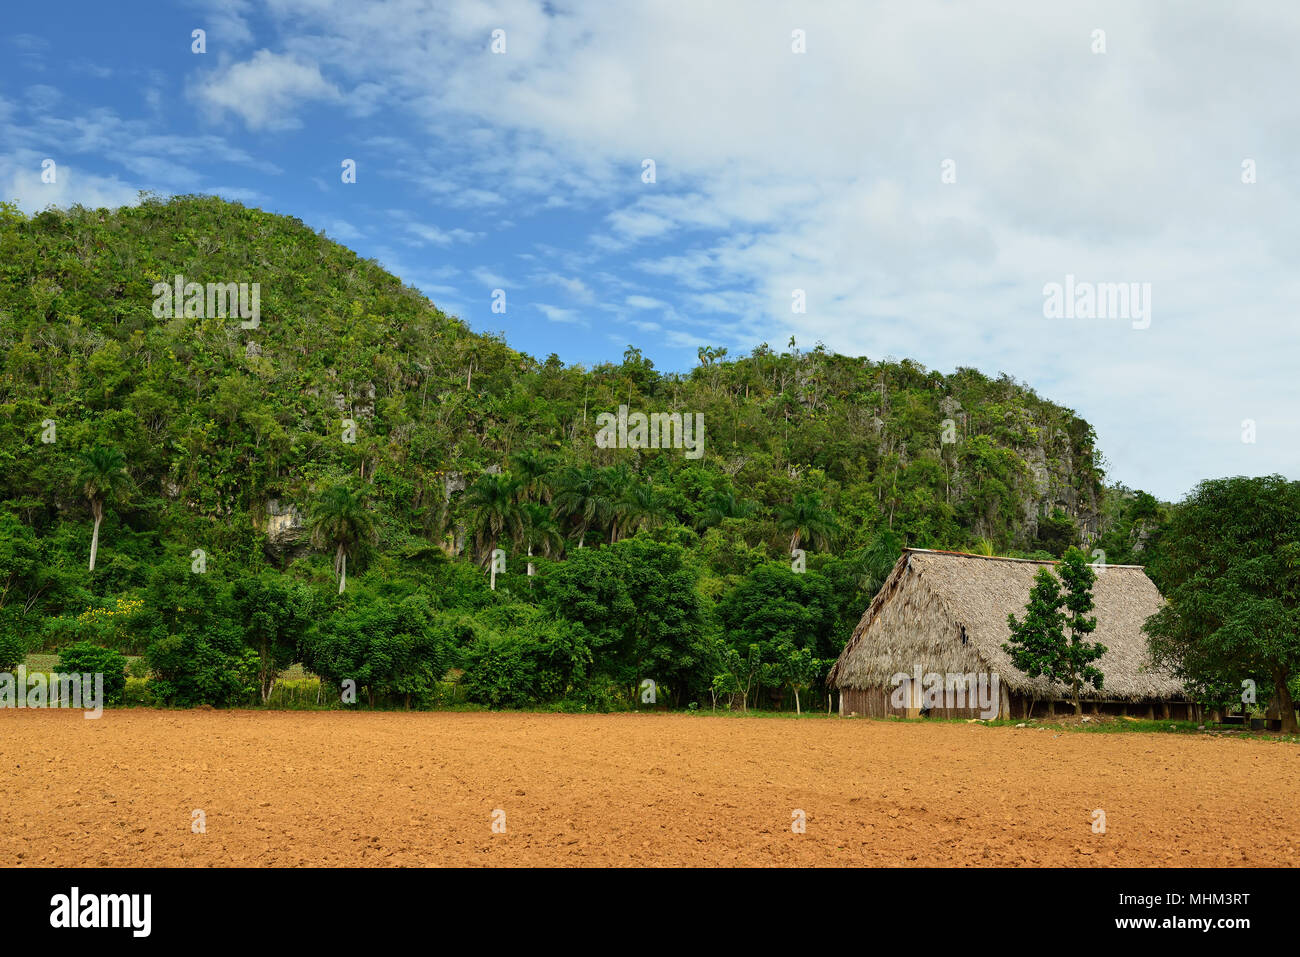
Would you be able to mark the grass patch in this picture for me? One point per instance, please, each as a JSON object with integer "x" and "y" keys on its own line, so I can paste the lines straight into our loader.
{"x": 46, "y": 662}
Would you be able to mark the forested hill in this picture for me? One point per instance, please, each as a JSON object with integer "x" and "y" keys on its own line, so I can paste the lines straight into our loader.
{"x": 228, "y": 434}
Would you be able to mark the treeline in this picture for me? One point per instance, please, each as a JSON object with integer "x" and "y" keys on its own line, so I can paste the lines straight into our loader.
{"x": 358, "y": 443}
{"x": 609, "y": 628}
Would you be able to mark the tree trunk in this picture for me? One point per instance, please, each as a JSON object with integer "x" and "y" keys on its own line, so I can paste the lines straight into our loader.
{"x": 94, "y": 538}
{"x": 1285, "y": 704}
{"x": 343, "y": 569}
{"x": 796, "y": 702}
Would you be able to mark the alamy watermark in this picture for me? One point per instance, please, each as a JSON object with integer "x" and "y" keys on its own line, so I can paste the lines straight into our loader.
{"x": 1098, "y": 300}
{"x": 57, "y": 690}
{"x": 658, "y": 430}
{"x": 213, "y": 300}
{"x": 934, "y": 690}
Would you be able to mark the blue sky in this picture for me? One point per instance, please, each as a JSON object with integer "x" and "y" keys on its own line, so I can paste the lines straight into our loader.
{"x": 1119, "y": 160}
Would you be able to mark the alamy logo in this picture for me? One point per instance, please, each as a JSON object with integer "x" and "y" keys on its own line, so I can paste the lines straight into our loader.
{"x": 658, "y": 430}
{"x": 85, "y": 691}
{"x": 213, "y": 300}
{"x": 1098, "y": 300}
{"x": 935, "y": 690}
{"x": 133, "y": 911}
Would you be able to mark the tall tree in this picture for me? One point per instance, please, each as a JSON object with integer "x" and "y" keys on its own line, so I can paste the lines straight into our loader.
{"x": 533, "y": 471}
{"x": 340, "y": 521}
{"x": 582, "y": 499}
{"x": 1229, "y": 567}
{"x": 721, "y": 505}
{"x": 806, "y": 519}
{"x": 494, "y": 499}
{"x": 1079, "y": 654}
{"x": 274, "y": 615}
{"x": 640, "y": 506}
{"x": 540, "y": 533}
{"x": 1039, "y": 645}
{"x": 102, "y": 473}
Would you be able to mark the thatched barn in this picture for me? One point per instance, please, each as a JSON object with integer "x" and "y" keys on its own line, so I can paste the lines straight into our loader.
{"x": 945, "y": 614}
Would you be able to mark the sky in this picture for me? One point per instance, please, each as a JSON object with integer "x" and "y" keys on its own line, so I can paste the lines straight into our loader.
{"x": 901, "y": 180}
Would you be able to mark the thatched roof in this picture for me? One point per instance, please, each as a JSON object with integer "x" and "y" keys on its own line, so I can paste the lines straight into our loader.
{"x": 947, "y": 591}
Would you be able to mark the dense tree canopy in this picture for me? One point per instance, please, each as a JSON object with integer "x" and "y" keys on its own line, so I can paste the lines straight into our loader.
{"x": 370, "y": 449}
{"x": 1230, "y": 569}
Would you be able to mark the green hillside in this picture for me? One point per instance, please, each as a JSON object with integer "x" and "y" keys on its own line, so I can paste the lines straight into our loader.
{"x": 355, "y": 396}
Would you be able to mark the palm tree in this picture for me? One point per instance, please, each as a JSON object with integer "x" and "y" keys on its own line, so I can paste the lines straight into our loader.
{"x": 533, "y": 471}
{"x": 640, "y": 506}
{"x": 806, "y": 519}
{"x": 583, "y": 499}
{"x": 615, "y": 483}
{"x": 878, "y": 560}
{"x": 722, "y": 505}
{"x": 340, "y": 521}
{"x": 103, "y": 472}
{"x": 540, "y": 532}
{"x": 494, "y": 498}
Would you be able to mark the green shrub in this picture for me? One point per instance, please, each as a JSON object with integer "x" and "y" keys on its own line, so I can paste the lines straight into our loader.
{"x": 395, "y": 650}
{"x": 537, "y": 661}
{"x": 12, "y": 651}
{"x": 85, "y": 658}
{"x": 210, "y": 669}
{"x": 138, "y": 694}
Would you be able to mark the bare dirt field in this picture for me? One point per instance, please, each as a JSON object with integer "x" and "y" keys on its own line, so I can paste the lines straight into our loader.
{"x": 296, "y": 788}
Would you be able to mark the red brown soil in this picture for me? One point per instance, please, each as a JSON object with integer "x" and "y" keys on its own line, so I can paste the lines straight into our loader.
{"x": 331, "y": 788}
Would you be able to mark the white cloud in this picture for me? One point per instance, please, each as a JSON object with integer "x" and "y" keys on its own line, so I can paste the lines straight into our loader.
{"x": 428, "y": 233}
{"x": 266, "y": 90}
{"x": 71, "y": 186}
{"x": 488, "y": 278}
{"x": 226, "y": 22}
{"x": 342, "y": 230}
{"x": 558, "y": 314}
{"x": 574, "y": 286}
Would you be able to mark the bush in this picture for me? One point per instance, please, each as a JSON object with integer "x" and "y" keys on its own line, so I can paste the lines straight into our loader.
{"x": 394, "y": 650}
{"x": 537, "y": 661}
{"x": 85, "y": 658}
{"x": 138, "y": 694}
{"x": 12, "y": 651}
{"x": 210, "y": 669}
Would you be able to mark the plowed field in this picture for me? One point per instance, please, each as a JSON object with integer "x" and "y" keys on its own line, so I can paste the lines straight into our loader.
{"x": 424, "y": 789}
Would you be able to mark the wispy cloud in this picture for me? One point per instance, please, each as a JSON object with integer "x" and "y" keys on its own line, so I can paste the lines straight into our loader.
{"x": 558, "y": 314}
{"x": 266, "y": 91}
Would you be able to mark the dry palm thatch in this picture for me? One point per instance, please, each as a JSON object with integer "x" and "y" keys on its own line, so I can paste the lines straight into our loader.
{"x": 918, "y": 617}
